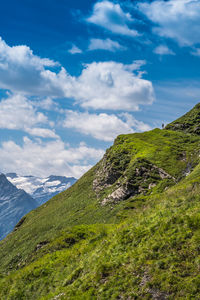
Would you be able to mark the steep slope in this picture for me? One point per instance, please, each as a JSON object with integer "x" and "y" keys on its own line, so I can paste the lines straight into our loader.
{"x": 14, "y": 204}
{"x": 189, "y": 123}
{"x": 128, "y": 229}
{"x": 41, "y": 189}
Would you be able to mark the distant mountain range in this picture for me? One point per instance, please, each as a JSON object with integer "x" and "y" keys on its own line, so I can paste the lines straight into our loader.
{"x": 41, "y": 189}
{"x": 21, "y": 194}
{"x": 14, "y": 204}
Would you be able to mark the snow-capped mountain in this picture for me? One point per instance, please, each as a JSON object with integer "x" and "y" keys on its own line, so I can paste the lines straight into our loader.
{"x": 14, "y": 204}
{"x": 41, "y": 189}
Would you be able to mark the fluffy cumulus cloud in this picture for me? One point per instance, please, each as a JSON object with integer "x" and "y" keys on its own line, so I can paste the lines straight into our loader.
{"x": 176, "y": 19}
{"x": 106, "y": 44}
{"x": 22, "y": 71}
{"x": 17, "y": 113}
{"x": 163, "y": 50}
{"x": 113, "y": 86}
{"x": 41, "y": 159}
{"x": 111, "y": 17}
{"x": 103, "y": 126}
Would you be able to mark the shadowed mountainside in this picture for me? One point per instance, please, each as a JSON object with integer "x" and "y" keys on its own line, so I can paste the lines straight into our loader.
{"x": 14, "y": 204}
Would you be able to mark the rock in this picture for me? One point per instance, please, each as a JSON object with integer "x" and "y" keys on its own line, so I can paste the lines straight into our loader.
{"x": 137, "y": 178}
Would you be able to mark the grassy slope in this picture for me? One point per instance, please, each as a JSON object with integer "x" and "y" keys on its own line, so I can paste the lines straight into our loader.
{"x": 144, "y": 246}
{"x": 188, "y": 123}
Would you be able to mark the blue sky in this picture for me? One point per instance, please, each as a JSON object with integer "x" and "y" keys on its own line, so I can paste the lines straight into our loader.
{"x": 75, "y": 74}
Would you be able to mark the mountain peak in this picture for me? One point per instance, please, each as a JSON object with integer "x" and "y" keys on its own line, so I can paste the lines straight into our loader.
{"x": 41, "y": 189}
{"x": 14, "y": 204}
{"x": 189, "y": 123}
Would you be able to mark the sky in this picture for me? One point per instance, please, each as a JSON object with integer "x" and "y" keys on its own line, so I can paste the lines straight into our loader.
{"x": 75, "y": 74}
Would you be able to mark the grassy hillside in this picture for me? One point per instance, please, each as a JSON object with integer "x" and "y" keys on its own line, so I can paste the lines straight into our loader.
{"x": 128, "y": 229}
{"x": 189, "y": 123}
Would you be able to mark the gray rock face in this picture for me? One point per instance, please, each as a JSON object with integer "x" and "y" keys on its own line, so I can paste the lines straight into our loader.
{"x": 14, "y": 204}
{"x": 137, "y": 178}
{"x": 41, "y": 189}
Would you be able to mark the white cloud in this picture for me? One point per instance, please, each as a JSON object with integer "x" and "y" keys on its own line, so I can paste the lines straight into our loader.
{"x": 46, "y": 103}
{"x": 18, "y": 113}
{"x": 108, "y": 85}
{"x": 23, "y": 72}
{"x": 163, "y": 50}
{"x": 42, "y": 132}
{"x": 103, "y": 126}
{"x": 135, "y": 124}
{"x": 113, "y": 86}
{"x": 74, "y": 50}
{"x": 111, "y": 17}
{"x": 176, "y": 19}
{"x": 43, "y": 159}
{"x": 196, "y": 52}
{"x": 106, "y": 44}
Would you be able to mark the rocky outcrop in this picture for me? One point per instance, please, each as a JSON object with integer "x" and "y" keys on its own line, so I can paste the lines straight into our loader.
{"x": 110, "y": 170}
{"x": 139, "y": 177}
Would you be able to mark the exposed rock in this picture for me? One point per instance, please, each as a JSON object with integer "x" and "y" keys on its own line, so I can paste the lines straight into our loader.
{"x": 121, "y": 193}
{"x": 155, "y": 293}
{"x": 105, "y": 176}
{"x": 19, "y": 223}
{"x": 137, "y": 178}
{"x": 188, "y": 169}
{"x": 41, "y": 245}
{"x": 108, "y": 172}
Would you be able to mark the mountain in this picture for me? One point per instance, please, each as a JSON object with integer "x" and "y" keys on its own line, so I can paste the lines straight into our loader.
{"x": 41, "y": 189}
{"x": 128, "y": 229}
{"x": 14, "y": 204}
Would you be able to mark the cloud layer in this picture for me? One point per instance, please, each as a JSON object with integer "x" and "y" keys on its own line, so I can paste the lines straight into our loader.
{"x": 18, "y": 113}
{"x": 42, "y": 159}
{"x": 103, "y": 126}
{"x": 34, "y": 85}
{"x": 118, "y": 85}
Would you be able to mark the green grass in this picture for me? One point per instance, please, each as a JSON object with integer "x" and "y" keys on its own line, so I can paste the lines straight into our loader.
{"x": 72, "y": 247}
{"x": 155, "y": 250}
{"x": 188, "y": 123}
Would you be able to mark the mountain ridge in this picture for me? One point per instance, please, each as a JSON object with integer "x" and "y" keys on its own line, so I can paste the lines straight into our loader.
{"x": 14, "y": 204}
{"x": 142, "y": 245}
{"x": 41, "y": 189}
